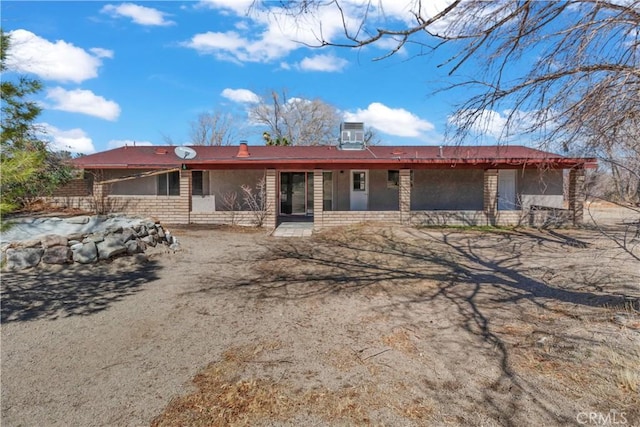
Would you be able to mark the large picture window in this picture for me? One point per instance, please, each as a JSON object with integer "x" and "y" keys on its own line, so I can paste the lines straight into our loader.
{"x": 169, "y": 184}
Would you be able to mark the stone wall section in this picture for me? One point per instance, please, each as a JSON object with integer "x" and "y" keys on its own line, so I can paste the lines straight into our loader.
{"x": 54, "y": 249}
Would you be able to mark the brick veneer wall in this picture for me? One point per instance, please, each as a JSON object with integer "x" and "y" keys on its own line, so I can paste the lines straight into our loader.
{"x": 244, "y": 218}
{"x": 73, "y": 202}
{"x": 449, "y": 218}
{"x": 318, "y": 197}
{"x": 271, "y": 205}
{"x": 404, "y": 192}
{"x": 490, "y": 203}
{"x": 336, "y": 218}
{"x": 75, "y": 188}
{"x": 576, "y": 195}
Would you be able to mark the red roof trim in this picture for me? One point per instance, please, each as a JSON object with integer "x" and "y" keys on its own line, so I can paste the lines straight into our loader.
{"x": 327, "y": 157}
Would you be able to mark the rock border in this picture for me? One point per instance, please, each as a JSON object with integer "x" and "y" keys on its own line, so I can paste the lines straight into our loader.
{"x": 89, "y": 248}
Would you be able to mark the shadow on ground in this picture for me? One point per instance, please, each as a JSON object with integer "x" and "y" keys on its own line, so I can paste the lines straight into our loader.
{"x": 72, "y": 291}
{"x": 485, "y": 280}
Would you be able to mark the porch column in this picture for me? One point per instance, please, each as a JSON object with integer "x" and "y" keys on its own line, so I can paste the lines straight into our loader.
{"x": 271, "y": 218}
{"x": 491, "y": 195}
{"x": 184, "y": 203}
{"x": 99, "y": 195}
{"x": 318, "y": 197}
{"x": 576, "y": 195}
{"x": 404, "y": 192}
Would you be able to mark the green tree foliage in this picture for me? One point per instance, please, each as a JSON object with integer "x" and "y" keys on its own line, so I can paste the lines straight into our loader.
{"x": 28, "y": 168}
{"x": 280, "y": 140}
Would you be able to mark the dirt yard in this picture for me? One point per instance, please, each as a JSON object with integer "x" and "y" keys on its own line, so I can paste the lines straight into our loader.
{"x": 364, "y": 325}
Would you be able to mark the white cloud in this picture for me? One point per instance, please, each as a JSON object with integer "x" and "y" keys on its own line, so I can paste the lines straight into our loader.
{"x": 240, "y": 7}
{"x": 231, "y": 46}
{"x": 210, "y": 42}
{"x": 101, "y": 53}
{"x": 139, "y": 14}
{"x": 72, "y": 140}
{"x": 240, "y": 95}
{"x": 115, "y": 143}
{"x": 83, "y": 101}
{"x": 270, "y": 32}
{"x": 392, "y": 121}
{"x": 59, "y": 61}
{"x": 326, "y": 63}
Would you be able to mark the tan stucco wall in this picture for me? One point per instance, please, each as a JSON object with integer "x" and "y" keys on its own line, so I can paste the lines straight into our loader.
{"x": 382, "y": 198}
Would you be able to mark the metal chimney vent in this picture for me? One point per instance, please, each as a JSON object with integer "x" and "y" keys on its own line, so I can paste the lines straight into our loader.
{"x": 352, "y": 136}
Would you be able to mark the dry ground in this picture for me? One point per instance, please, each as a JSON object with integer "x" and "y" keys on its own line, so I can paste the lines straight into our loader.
{"x": 364, "y": 325}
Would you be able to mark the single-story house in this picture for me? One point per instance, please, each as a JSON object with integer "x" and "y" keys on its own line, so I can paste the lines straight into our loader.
{"x": 333, "y": 185}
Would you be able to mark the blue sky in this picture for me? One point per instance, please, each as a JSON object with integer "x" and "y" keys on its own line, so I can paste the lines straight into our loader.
{"x": 119, "y": 72}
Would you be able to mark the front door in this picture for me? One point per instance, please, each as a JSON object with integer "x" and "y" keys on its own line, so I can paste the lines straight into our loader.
{"x": 507, "y": 190}
{"x": 296, "y": 193}
{"x": 359, "y": 190}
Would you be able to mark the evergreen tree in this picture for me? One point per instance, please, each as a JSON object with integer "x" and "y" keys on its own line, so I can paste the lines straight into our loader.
{"x": 28, "y": 168}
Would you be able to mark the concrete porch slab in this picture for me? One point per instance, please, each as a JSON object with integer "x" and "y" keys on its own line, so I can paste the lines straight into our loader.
{"x": 293, "y": 229}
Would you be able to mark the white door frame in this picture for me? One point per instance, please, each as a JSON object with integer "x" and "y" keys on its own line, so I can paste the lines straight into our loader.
{"x": 507, "y": 200}
{"x": 359, "y": 198}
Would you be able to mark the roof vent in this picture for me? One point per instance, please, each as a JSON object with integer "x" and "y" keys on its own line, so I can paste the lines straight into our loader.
{"x": 352, "y": 136}
{"x": 243, "y": 150}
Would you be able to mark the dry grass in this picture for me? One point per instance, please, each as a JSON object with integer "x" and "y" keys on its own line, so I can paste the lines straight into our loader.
{"x": 225, "y": 397}
{"x": 401, "y": 339}
{"x": 627, "y": 370}
{"x": 563, "y": 350}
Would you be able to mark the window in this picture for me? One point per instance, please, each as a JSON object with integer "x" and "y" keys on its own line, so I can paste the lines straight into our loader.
{"x": 196, "y": 183}
{"x": 169, "y": 184}
{"x": 327, "y": 191}
{"x": 393, "y": 178}
{"x": 359, "y": 181}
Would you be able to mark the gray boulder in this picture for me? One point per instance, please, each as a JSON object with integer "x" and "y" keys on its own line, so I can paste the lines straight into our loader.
{"x": 86, "y": 254}
{"x": 30, "y": 243}
{"x": 142, "y": 231}
{"x": 57, "y": 255}
{"x": 110, "y": 247}
{"x": 20, "y": 259}
{"x": 94, "y": 237}
{"x": 149, "y": 240}
{"x": 135, "y": 247}
{"x": 127, "y": 235}
{"x": 78, "y": 220}
{"x": 53, "y": 240}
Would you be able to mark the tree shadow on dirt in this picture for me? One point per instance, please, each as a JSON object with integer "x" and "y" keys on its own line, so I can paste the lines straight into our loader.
{"x": 70, "y": 291}
{"x": 476, "y": 275}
